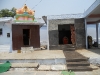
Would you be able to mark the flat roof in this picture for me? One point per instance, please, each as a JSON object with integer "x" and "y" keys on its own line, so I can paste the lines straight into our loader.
{"x": 93, "y": 8}
{"x": 26, "y": 23}
{"x": 5, "y": 19}
{"x": 92, "y": 14}
{"x": 38, "y": 21}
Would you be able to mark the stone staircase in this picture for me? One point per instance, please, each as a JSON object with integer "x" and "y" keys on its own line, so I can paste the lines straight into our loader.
{"x": 5, "y": 48}
{"x": 35, "y": 60}
{"x": 77, "y": 62}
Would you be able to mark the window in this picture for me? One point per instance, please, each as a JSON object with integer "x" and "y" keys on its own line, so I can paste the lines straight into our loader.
{"x": 8, "y": 34}
{"x": 0, "y": 31}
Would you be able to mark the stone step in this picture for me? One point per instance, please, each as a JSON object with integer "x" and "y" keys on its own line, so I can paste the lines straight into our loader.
{"x": 69, "y": 49}
{"x": 22, "y": 69}
{"x": 24, "y": 65}
{"x": 70, "y": 46}
{"x": 4, "y": 48}
{"x": 41, "y": 68}
{"x": 63, "y": 47}
{"x": 4, "y": 45}
{"x": 52, "y": 67}
{"x": 77, "y": 59}
{"x": 27, "y": 48}
{"x": 73, "y": 56}
{"x": 43, "y": 57}
{"x": 80, "y": 68}
{"x": 80, "y": 63}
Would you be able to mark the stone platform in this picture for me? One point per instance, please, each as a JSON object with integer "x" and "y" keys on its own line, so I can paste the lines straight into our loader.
{"x": 43, "y": 57}
{"x": 92, "y": 54}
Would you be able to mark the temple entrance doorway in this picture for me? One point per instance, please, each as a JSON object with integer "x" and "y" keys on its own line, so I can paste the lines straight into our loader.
{"x": 26, "y": 34}
{"x": 66, "y": 34}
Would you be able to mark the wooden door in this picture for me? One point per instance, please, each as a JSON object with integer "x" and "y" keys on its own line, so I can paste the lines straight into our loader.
{"x": 17, "y": 36}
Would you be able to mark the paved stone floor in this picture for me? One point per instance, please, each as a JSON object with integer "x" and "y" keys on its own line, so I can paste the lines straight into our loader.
{"x": 92, "y": 54}
{"x": 94, "y": 72}
{"x": 43, "y": 54}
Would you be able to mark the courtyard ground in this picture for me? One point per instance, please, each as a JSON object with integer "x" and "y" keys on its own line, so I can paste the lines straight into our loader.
{"x": 94, "y": 72}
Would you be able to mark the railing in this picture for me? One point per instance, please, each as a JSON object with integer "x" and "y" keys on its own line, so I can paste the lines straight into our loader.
{"x": 65, "y": 16}
{"x": 93, "y": 6}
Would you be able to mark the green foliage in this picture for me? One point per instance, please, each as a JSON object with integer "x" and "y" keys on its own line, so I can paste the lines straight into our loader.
{"x": 7, "y": 12}
{"x": 67, "y": 73}
{"x": 5, "y": 67}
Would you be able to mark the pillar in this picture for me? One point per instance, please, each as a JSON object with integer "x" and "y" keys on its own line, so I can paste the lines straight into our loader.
{"x": 97, "y": 32}
{"x": 47, "y": 33}
{"x": 86, "y": 34}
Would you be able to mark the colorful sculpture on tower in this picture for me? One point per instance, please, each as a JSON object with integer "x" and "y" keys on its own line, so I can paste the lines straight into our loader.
{"x": 24, "y": 14}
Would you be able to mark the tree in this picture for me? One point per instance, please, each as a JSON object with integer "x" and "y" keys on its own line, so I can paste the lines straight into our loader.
{"x": 8, "y": 13}
{"x": 13, "y": 10}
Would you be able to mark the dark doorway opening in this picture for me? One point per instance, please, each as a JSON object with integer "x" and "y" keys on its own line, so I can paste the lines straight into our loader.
{"x": 26, "y": 34}
{"x": 64, "y": 34}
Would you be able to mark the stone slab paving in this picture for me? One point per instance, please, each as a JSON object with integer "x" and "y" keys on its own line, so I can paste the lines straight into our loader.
{"x": 89, "y": 53}
{"x": 24, "y": 65}
{"x": 32, "y": 73}
{"x": 52, "y": 67}
{"x": 53, "y": 73}
{"x": 73, "y": 55}
{"x": 92, "y": 54}
{"x": 94, "y": 72}
{"x": 44, "y": 68}
{"x": 44, "y": 57}
{"x": 22, "y": 69}
{"x": 44, "y": 54}
{"x": 41, "y": 73}
{"x": 58, "y": 67}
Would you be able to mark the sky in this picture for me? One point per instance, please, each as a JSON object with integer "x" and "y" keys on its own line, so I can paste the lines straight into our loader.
{"x": 52, "y": 7}
{"x": 49, "y": 7}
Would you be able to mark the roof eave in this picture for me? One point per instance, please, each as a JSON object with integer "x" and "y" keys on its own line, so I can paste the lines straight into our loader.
{"x": 91, "y": 8}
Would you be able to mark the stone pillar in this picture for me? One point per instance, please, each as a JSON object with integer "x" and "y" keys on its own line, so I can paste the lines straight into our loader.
{"x": 80, "y": 33}
{"x": 86, "y": 33}
{"x": 97, "y": 32}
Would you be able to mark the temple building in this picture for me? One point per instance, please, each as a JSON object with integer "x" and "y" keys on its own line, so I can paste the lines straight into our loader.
{"x": 69, "y": 31}
{"x": 65, "y": 32}
{"x": 22, "y": 31}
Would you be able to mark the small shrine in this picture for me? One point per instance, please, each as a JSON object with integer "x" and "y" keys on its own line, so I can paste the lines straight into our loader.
{"x": 26, "y": 29}
{"x": 24, "y": 14}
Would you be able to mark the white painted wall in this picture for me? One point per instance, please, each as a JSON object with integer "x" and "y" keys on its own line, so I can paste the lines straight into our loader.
{"x": 4, "y": 40}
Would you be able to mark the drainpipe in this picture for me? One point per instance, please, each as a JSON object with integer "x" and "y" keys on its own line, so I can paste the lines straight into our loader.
{"x": 86, "y": 33}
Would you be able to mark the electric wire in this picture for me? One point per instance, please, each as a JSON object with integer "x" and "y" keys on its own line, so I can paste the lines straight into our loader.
{"x": 37, "y": 4}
